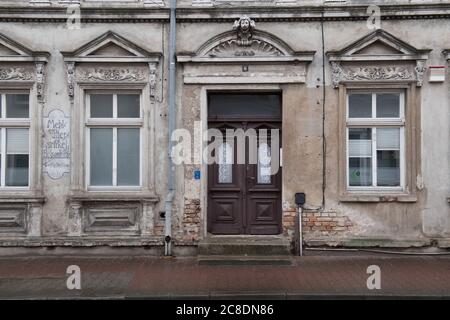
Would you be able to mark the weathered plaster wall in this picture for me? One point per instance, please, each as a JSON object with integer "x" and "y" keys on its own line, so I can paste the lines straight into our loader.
{"x": 382, "y": 224}
{"x": 334, "y": 222}
{"x": 56, "y": 38}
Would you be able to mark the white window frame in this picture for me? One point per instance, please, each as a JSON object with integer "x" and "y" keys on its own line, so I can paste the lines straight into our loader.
{"x": 114, "y": 123}
{"x": 375, "y": 123}
{"x": 14, "y": 123}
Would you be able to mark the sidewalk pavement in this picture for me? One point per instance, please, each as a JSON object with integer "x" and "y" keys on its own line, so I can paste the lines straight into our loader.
{"x": 150, "y": 277}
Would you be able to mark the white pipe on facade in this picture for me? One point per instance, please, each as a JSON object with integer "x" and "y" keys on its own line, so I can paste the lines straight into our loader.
{"x": 171, "y": 117}
{"x": 300, "y": 229}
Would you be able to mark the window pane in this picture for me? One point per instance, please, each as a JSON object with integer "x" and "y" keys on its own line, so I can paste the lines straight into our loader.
{"x": 360, "y": 148}
{"x": 360, "y": 172}
{"x": 101, "y": 157}
{"x": 388, "y": 105}
{"x": 17, "y": 141}
{"x": 248, "y": 105}
{"x": 128, "y": 142}
{"x": 17, "y": 157}
{"x": 225, "y": 163}
{"x": 388, "y": 139}
{"x": 360, "y": 106}
{"x": 388, "y": 173}
{"x": 128, "y": 106}
{"x": 101, "y": 105}
{"x": 17, "y": 170}
{"x": 264, "y": 164}
{"x": 17, "y": 106}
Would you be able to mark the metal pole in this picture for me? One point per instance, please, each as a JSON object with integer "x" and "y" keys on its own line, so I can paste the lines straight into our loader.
{"x": 300, "y": 229}
{"x": 171, "y": 128}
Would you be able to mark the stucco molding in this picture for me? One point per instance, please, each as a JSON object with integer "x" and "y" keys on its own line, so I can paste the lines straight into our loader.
{"x": 16, "y": 65}
{"x": 245, "y": 44}
{"x": 71, "y": 78}
{"x": 111, "y": 74}
{"x": 390, "y": 60}
{"x": 16, "y": 74}
{"x": 110, "y": 67}
{"x": 21, "y": 214}
{"x": 446, "y": 54}
{"x": 132, "y": 53}
{"x": 375, "y": 73}
{"x": 40, "y": 81}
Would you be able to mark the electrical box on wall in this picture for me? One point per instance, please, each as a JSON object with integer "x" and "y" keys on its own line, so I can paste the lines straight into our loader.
{"x": 437, "y": 73}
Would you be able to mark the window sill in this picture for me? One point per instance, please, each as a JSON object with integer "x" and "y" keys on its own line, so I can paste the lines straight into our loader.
{"x": 21, "y": 198}
{"x": 378, "y": 198}
{"x": 113, "y": 197}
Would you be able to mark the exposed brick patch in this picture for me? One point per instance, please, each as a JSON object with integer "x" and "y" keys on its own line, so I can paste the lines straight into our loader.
{"x": 159, "y": 230}
{"x": 316, "y": 223}
{"x": 326, "y": 222}
{"x": 289, "y": 218}
{"x": 191, "y": 220}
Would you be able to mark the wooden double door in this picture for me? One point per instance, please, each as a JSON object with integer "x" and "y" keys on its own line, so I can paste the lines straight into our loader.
{"x": 244, "y": 198}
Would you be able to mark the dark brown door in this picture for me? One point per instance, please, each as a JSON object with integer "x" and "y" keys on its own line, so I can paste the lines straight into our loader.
{"x": 245, "y": 198}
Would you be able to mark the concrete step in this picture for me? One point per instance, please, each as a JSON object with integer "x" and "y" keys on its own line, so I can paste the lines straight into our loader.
{"x": 245, "y": 246}
{"x": 240, "y": 260}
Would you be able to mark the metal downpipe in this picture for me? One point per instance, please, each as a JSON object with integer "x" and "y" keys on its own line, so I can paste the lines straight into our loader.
{"x": 171, "y": 128}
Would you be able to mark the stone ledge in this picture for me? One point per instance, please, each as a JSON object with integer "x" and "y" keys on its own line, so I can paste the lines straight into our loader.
{"x": 375, "y": 198}
{"x": 124, "y": 196}
{"x": 21, "y": 199}
{"x": 83, "y": 241}
{"x": 369, "y": 243}
{"x": 444, "y": 243}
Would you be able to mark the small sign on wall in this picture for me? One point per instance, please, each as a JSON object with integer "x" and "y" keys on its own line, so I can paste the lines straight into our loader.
{"x": 197, "y": 175}
{"x": 437, "y": 73}
{"x": 56, "y": 145}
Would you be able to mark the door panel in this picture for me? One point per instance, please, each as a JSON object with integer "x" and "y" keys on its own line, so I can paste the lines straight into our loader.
{"x": 241, "y": 201}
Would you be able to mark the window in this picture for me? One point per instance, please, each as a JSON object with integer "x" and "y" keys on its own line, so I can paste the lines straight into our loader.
{"x": 225, "y": 163}
{"x": 375, "y": 140}
{"x": 114, "y": 123}
{"x": 14, "y": 139}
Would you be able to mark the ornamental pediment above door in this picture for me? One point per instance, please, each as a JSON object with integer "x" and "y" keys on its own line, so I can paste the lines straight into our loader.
{"x": 378, "y": 57}
{"x": 245, "y": 54}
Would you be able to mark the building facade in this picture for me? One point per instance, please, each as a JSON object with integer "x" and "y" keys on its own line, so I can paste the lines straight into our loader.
{"x": 359, "y": 94}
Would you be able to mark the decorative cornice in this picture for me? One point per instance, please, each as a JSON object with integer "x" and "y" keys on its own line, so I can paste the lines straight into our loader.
{"x": 95, "y": 13}
{"x": 15, "y": 73}
{"x": 111, "y": 74}
{"x": 375, "y": 73}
